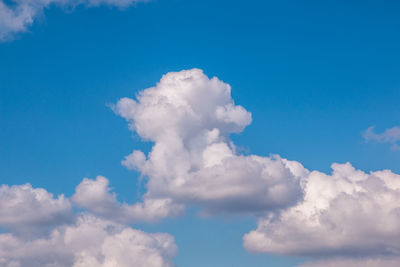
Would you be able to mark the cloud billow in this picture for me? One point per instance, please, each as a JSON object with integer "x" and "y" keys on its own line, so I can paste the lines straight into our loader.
{"x": 390, "y": 136}
{"x": 346, "y": 213}
{"x": 43, "y": 231}
{"x": 96, "y": 196}
{"x": 30, "y": 211}
{"x": 189, "y": 118}
{"x": 89, "y": 242}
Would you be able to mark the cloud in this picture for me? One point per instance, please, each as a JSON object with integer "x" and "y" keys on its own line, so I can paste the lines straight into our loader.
{"x": 26, "y": 210}
{"x": 96, "y": 197}
{"x": 391, "y": 136}
{"x": 345, "y": 218}
{"x": 90, "y": 242}
{"x": 19, "y": 15}
{"x": 377, "y": 262}
{"x": 189, "y": 118}
{"x": 348, "y": 212}
{"x": 43, "y": 231}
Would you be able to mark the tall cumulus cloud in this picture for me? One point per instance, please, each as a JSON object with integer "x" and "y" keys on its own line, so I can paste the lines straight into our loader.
{"x": 189, "y": 119}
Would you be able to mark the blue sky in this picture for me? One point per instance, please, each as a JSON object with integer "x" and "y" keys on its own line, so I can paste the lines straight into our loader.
{"x": 315, "y": 75}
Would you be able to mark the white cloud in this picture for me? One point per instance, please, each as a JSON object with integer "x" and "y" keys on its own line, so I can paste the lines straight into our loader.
{"x": 391, "y": 136}
{"x": 357, "y": 262}
{"x": 17, "y": 16}
{"x": 26, "y": 210}
{"x": 189, "y": 117}
{"x": 349, "y": 212}
{"x": 96, "y": 196}
{"x": 89, "y": 242}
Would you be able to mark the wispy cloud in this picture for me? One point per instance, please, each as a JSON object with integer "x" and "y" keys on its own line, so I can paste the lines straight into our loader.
{"x": 390, "y": 136}
{"x": 17, "y": 16}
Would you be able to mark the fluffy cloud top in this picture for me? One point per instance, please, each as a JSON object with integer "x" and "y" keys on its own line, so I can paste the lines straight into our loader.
{"x": 96, "y": 196}
{"x": 26, "y": 210}
{"x": 189, "y": 117}
{"x": 89, "y": 242}
{"x": 349, "y": 212}
{"x": 391, "y": 136}
{"x": 18, "y": 16}
{"x": 43, "y": 230}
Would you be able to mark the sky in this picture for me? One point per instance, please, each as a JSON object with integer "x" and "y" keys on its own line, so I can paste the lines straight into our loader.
{"x": 199, "y": 133}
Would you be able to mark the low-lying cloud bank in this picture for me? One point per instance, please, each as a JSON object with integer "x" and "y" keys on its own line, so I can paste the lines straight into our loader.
{"x": 17, "y": 15}
{"x": 189, "y": 118}
{"x": 355, "y": 262}
{"x": 96, "y": 196}
{"x": 43, "y": 231}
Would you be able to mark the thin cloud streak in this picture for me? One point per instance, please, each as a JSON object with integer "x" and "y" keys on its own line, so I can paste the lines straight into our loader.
{"x": 390, "y": 136}
{"x": 18, "y": 16}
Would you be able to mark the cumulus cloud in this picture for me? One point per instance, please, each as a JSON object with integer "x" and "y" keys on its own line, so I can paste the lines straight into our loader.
{"x": 96, "y": 196}
{"x": 347, "y": 217}
{"x": 189, "y": 118}
{"x": 17, "y": 16}
{"x": 348, "y": 212}
{"x": 391, "y": 136}
{"x": 26, "y": 210}
{"x": 44, "y": 231}
{"x": 90, "y": 242}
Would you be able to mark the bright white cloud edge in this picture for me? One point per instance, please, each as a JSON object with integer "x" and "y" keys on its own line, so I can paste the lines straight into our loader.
{"x": 189, "y": 118}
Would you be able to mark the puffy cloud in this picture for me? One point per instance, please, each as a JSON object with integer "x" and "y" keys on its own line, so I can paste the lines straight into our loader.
{"x": 189, "y": 118}
{"x": 96, "y": 196}
{"x": 391, "y": 136}
{"x": 17, "y": 16}
{"x": 26, "y": 210}
{"x": 89, "y": 242}
{"x": 349, "y": 212}
{"x": 357, "y": 262}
